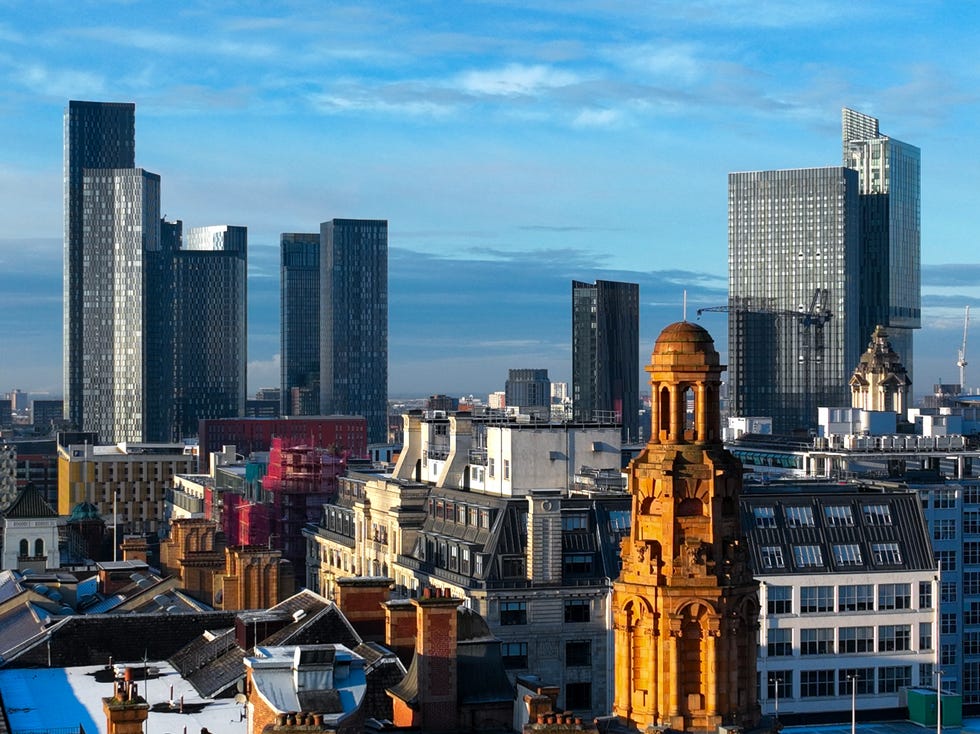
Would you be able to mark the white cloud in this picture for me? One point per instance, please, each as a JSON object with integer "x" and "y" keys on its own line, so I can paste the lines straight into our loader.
{"x": 515, "y": 80}
{"x": 598, "y": 118}
{"x": 263, "y": 373}
{"x": 63, "y": 83}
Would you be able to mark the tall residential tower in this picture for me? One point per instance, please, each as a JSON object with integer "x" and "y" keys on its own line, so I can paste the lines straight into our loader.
{"x": 818, "y": 258}
{"x": 300, "y": 322}
{"x": 606, "y": 353}
{"x": 354, "y": 321}
{"x": 154, "y": 332}
{"x": 97, "y": 135}
{"x": 210, "y": 326}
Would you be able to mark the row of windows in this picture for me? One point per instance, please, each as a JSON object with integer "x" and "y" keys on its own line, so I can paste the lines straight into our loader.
{"x": 578, "y": 654}
{"x": 838, "y": 682}
{"x": 845, "y": 554}
{"x": 850, "y": 598}
{"x": 847, "y": 640}
{"x": 575, "y": 610}
{"x": 459, "y": 513}
{"x": 802, "y": 516}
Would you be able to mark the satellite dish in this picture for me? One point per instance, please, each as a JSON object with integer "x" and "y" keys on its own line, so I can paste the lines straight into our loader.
{"x": 241, "y": 698}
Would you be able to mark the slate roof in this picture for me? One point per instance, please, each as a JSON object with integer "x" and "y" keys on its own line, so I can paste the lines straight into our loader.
{"x": 29, "y": 503}
{"x": 18, "y": 626}
{"x": 835, "y": 518}
{"x": 212, "y": 663}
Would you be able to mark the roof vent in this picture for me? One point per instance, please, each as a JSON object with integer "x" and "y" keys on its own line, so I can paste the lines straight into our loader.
{"x": 298, "y": 615}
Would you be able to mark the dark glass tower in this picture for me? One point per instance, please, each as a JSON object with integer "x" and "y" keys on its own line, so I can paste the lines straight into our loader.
{"x": 529, "y": 389}
{"x": 354, "y": 321}
{"x": 606, "y": 353}
{"x": 300, "y": 322}
{"x": 96, "y": 135}
{"x": 210, "y": 326}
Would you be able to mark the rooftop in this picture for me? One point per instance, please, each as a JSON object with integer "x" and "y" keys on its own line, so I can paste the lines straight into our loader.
{"x": 28, "y": 693}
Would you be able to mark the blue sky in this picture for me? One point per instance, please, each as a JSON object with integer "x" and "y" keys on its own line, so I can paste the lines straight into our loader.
{"x": 513, "y": 146}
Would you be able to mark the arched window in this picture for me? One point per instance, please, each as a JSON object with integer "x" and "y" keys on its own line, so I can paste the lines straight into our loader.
{"x": 39, "y": 547}
{"x": 24, "y": 548}
{"x": 665, "y": 410}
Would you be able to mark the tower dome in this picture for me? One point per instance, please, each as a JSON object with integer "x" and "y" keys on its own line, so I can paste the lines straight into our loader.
{"x": 686, "y": 338}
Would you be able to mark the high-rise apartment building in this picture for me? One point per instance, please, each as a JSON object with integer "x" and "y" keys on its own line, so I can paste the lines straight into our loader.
{"x": 121, "y": 220}
{"x": 794, "y": 290}
{"x": 300, "y": 322}
{"x": 154, "y": 327}
{"x": 606, "y": 353}
{"x": 210, "y": 326}
{"x": 819, "y": 257}
{"x": 889, "y": 195}
{"x": 354, "y": 321}
{"x": 97, "y": 135}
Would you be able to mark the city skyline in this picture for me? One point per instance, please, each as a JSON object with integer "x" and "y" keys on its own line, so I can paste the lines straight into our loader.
{"x": 511, "y": 149}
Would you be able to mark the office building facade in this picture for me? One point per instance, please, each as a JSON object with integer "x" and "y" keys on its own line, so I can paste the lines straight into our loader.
{"x": 529, "y": 390}
{"x": 354, "y": 321}
{"x": 96, "y": 135}
{"x": 606, "y": 353}
{"x": 818, "y": 257}
{"x": 300, "y": 322}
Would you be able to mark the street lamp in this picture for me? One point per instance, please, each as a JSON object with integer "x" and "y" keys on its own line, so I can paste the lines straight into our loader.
{"x": 776, "y": 681}
{"x": 853, "y": 678}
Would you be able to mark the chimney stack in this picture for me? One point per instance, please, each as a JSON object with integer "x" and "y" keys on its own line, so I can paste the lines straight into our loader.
{"x": 435, "y": 653}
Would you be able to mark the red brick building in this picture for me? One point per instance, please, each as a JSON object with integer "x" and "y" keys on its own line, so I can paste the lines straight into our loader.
{"x": 343, "y": 434}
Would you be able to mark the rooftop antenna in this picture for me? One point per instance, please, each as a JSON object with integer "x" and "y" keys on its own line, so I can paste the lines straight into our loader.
{"x": 961, "y": 357}
{"x": 685, "y": 304}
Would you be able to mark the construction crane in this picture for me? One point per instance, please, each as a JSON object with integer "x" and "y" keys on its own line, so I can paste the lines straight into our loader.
{"x": 961, "y": 356}
{"x": 815, "y": 316}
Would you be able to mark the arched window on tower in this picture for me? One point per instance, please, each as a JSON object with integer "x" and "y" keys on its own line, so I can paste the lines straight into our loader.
{"x": 24, "y": 548}
{"x": 690, "y": 403}
{"x": 665, "y": 410}
{"x": 39, "y": 547}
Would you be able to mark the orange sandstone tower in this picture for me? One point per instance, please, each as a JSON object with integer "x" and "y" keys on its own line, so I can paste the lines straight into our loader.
{"x": 686, "y": 605}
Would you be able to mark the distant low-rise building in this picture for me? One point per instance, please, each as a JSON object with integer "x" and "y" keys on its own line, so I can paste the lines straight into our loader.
{"x": 126, "y": 482}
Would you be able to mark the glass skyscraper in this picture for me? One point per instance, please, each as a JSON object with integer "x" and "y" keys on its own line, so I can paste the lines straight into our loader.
{"x": 300, "y": 322}
{"x": 96, "y": 135}
{"x": 606, "y": 353}
{"x": 817, "y": 258}
{"x": 210, "y": 326}
{"x": 354, "y": 321}
{"x": 889, "y": 197}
